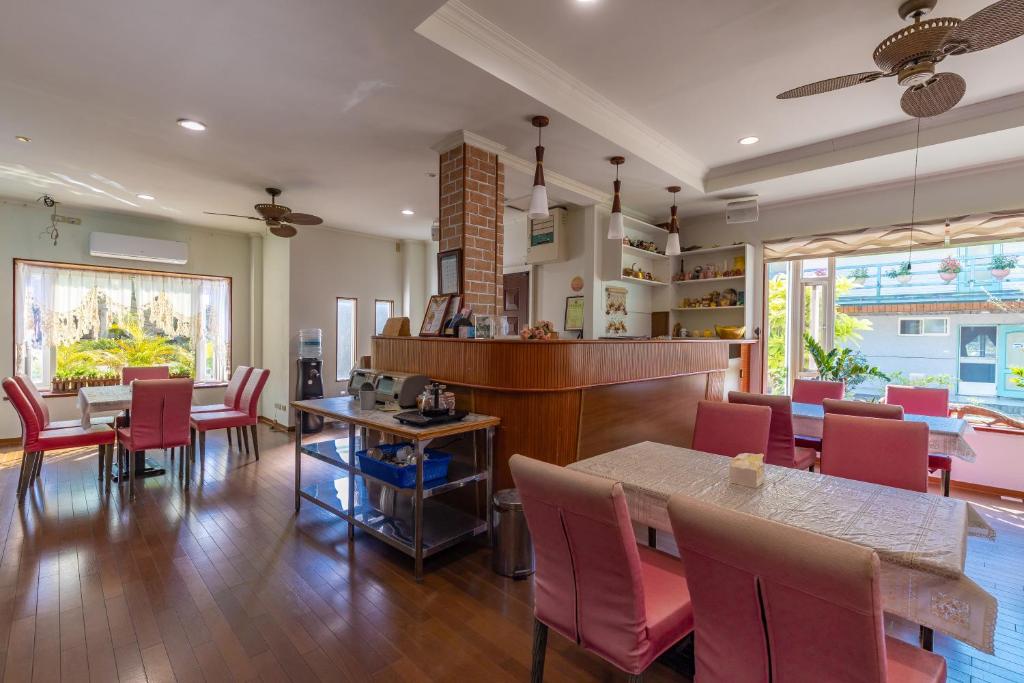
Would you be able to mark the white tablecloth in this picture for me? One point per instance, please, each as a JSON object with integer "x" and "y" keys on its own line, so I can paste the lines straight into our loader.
{"x": 946, "y": 435}
{"x": 921, "y": 539}
{"x": 103, "y": 399}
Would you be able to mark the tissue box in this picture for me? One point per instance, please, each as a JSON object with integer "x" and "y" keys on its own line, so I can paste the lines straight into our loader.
{"x": 747, "y": 469}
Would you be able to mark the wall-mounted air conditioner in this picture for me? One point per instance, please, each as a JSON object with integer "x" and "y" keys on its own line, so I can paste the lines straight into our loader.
{"x": 131, "y": 248}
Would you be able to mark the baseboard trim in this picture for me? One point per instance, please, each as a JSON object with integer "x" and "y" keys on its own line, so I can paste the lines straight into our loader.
{"x": 980, "y": 488}
{"x": 275, "y": 425}
{"x": 13, "y": 441}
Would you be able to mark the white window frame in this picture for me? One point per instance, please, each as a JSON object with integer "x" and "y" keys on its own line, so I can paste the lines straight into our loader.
{"x": 342, "y": 375}
{"x": 899, "y": 326}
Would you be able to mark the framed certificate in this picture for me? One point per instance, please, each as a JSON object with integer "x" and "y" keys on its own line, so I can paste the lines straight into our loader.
{"x": 433, "y": 319}
{"x": 449, "y": 272}
{"x": 573, "y": 313}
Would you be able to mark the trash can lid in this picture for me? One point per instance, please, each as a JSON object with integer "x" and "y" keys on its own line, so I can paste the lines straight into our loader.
{"x": 508, "y": 499}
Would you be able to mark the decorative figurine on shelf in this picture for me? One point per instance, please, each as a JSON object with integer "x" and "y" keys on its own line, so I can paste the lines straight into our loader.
{"x": 541, "y": 330}
{"x": 729, "y": 297}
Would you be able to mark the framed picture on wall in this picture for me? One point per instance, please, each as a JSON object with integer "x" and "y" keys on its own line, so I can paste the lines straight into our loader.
{"x": 573, "y": 314}
{"x": 433, "y": 319}
{"x": 449, "y": 272}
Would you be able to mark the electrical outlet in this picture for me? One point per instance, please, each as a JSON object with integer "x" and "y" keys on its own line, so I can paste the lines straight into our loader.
{"x": 280, "y": 406}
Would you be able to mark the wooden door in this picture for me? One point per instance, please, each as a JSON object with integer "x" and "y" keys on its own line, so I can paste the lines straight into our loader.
{"x": 517, "y": 301}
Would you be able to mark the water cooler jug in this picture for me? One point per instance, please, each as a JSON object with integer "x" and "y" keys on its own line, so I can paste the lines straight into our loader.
{"x": 309, "y": 378}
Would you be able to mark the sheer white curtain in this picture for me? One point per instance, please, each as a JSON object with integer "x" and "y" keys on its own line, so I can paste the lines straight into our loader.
{"x": 58, "y": 306}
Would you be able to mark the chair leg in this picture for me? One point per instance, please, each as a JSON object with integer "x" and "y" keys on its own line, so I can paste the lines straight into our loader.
{"x": 202, "y": 453}
{"x": 652, "y": 537}
{"x": 99, "y": 463}
{"x": 540, "y": 646}
{"x": 228, "y": 430}
{"x": 26, "y": 458}
{"x": 132, "y": 457}
{"x": 244, "y": 438}
{"x": 945, "y": 482}
{"x": 39, "y": 466}
{"x": 108, "y": 465}
{"x": 636, "y": 678}
{"x": 255, "y": 441}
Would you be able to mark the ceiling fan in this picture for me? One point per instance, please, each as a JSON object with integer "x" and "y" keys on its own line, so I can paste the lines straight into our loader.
{"x": 280, "y": 219}
{"x": 911, "y": 54}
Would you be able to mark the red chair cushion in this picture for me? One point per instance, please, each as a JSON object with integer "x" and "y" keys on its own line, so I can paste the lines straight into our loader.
{"x": 36, "y": 399}
{"x": 124, "y": 437}
{"x": 71, "y": 437}
{"x": 908, "y": 664}
{"x": 212, "y": 408}
{"x": 204, "y": 422}
{"x": 666, "y": 598}
{"x": 803, "y": 458}
{"x": 939, "y": 461}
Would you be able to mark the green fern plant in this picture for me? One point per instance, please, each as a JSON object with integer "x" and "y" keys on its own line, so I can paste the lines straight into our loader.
{"x": 842, "y": 364}
{"x": 1018, "y": 376}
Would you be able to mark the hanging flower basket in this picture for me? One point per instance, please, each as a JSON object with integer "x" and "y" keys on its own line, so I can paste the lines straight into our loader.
{"x": 1001, "y": 266}
{"x": 947, "y": 277}
{"x": 999, "y": 274}
{"x": 903, "y": 279}
{"x": 859, "y": 277}
{"x": 900, "y": 273}
{"x": 949, "y": 268}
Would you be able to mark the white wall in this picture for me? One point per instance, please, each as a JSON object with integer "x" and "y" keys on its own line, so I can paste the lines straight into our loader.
{"x": 211, "y": 252}
{"x": 276, "y": 328}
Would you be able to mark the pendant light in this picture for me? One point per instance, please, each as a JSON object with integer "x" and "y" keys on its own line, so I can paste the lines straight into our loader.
{"x": 615, "y": 228}
{"x": 672, "y": 246}
{"x": 539, "y": 198}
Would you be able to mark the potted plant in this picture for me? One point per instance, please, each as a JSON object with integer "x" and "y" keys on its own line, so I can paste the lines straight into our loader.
{"x": 1018, "y": 376}
{"x": 949, "y": 268}
{"x": 842, "y": 365}
{"x": 859, "y": 276}
{"x": 900, "y": 273}
{"x": 1001, "y": 266}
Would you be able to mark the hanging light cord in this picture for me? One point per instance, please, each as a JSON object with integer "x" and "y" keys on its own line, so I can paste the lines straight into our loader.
{"x": 913, "y": 200}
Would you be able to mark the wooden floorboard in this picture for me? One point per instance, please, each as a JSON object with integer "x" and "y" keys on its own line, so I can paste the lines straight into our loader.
{"x": 224, "y": 582}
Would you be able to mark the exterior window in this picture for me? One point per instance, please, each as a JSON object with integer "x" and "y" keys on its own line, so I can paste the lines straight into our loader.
{"x": 346, "y": 337}
{"x": 924, "y": 327}
{"x": 382, "y": 310}
{"x": 978, "y": 341}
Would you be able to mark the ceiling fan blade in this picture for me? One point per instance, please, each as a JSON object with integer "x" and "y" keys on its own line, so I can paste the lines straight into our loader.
{"x": 303, "y": 219}
{"x": 938, "y": 94}
{"x": 233, "y": 215}
{"x": 996, "y": 24}
{"x": 284, "y": 230}
{"x": 830, "y": 84}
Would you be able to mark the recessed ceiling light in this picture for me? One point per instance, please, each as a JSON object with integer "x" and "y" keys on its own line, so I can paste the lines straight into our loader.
{"x": 22, "y": 138}
{"x": 407, "y": 212}
{"x": 189, "y": 124}
{"x": 145, "y": 196}
{"x": 749, "y": 140}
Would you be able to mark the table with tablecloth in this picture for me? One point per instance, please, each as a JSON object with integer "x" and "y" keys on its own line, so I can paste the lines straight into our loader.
{"x": 921, "y": 539}
{"x": 946, "y": 435}
{"x": 114, "y": 397}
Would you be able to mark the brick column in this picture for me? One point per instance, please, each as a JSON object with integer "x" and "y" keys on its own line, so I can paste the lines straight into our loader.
{"x": 472, "y": 194}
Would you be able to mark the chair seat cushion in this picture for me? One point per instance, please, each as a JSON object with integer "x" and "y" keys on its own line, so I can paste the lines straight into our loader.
{"x": 910, "y": 664}
{"x": 939, "y": 461}
{"x": 213, "y": 408}
{"x": 64, "y": 424}
{"x": 71, "y": 437}
{"x": 803, "y": 458}
{"x": 808, "y": 442}
{"x": 666, "y": 599}
{"x": 221, "y": 420}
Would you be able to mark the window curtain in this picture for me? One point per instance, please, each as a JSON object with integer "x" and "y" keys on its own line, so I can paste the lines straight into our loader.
{"x": 960, "y": 230}
{"x": 56, "y": 307}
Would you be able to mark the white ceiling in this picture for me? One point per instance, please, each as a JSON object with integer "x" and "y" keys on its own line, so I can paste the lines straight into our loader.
{"x": 338, "y": 102}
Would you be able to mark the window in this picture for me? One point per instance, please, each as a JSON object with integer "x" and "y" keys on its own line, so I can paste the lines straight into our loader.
{"x": 924, "y": 327}
{"x": 382, "y": 310}
{"x": 80, "y": 322}
{"x": 346, "y": 339}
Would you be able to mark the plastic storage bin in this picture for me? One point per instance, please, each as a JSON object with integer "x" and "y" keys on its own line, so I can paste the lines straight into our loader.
{"x": 435, "y": 467}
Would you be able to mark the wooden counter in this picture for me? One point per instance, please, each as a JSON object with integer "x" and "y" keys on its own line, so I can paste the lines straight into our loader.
{"x": 561, "y": 401}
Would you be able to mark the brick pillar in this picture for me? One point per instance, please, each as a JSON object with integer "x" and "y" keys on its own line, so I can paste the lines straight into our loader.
{"x": 472, "y": 193}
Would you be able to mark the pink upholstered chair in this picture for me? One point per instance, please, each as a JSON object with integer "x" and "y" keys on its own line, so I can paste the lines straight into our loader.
{"x": 731, "y": 428}
{"x": 35, "y": 440}
{"x": 781, "y": 447}
{"x": 814, "y": 391}
{"x": 245, "y": 416}
{"x": 232, "y": 395}
{"x": 130, "y": 374}
{"x": 774, "y": 602}
{"x": 862, "y": 409}
{"x": 887, "y": 452}
{"x": 160, "y": 419}
{"x": 925, "y": 401}
{"x": 594, "y": 585}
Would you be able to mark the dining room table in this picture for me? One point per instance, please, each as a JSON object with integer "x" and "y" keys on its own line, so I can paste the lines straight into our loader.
{"x": 114, "y": 398}
{"x": 921, "y": 539}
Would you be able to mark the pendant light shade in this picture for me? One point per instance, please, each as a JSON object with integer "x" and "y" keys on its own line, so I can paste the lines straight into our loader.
{"x": 615, "y": 228}
{"x": 539, "y": 198}
{"x": 672, "y": 246}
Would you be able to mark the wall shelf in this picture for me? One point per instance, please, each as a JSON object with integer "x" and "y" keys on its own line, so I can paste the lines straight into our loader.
{"x": 710, "y": 279}
{"x": 712, "y": 250}
{"x": 626, "y": 249}
{"x": 709, "y": 308}
{"x": 626, "y": 278}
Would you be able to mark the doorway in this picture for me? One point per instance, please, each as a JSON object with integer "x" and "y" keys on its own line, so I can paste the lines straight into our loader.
{"x": 1011, "y": 355}
{"x": 517, "y": 301}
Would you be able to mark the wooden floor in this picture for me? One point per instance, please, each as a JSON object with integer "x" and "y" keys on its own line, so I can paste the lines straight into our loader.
{"x": 225, "y": 582}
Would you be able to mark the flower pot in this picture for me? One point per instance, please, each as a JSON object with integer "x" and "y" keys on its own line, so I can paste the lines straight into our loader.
{"x": 999, "y": 274}
{"x": 903, "y": 279}
{"x": 859, "y": 281}
{"x": 947, "y": 277}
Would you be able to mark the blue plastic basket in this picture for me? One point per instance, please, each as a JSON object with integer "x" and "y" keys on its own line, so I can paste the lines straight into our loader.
{"x": 435, "y": 467}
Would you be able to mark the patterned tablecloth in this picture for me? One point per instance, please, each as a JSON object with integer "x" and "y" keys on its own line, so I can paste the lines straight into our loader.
{"x": 103, "y": 399}
{"x": 947, "y": 435}
{"x": 921, "y": 539}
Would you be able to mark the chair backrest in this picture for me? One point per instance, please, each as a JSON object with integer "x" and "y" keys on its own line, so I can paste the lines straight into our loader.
{"x": 887, "y": 452}
{"x": 249, "y": 400}
{"x": 233, "y": 394}
{"x": 815, "y": 390}
{"x": 781, "y": 448}
{"x": 28, "y": 388}
{"x": 774, "y": 602}
{"x": 919, "y": 400}
{"x": 160, "y": 413}
{"x": 862, "y": 409}
{"x": 132, "y": 373}
{"x": 589, "y": 582}
{"x": 731, "y": 428}
{"x": 26, "y": 414}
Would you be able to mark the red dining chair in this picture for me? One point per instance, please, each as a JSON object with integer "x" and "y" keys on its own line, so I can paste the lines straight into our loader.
{"x": 814, "y": 391}
{"x": 782, "y": 449}
{"x": 594, "y": 585}
{"x": 35, "y": 440}
{"x": 931, "y": 401}
{"x": 232, "y": 395}
{"x": 132, "y": 373}
{"x": 731, "y": 428}
{"x": 862, "y": 409}
{"x": 881, "y": 451}
{"x": 773, "y": 602}
{"x": 160, "y": 419}
{"x": 245, "y": 416}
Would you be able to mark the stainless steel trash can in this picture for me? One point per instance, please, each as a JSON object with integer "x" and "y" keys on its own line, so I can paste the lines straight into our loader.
{"x": 512, "y": 554}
